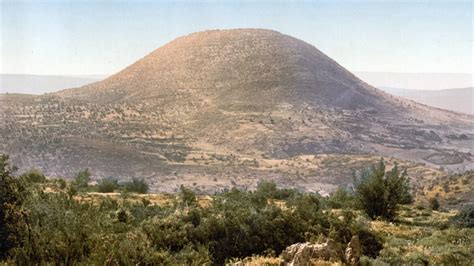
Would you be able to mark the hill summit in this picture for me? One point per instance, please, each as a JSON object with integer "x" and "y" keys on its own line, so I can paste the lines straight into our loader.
{"x": 238, "y": 64}
{"x": 229, "y": 106}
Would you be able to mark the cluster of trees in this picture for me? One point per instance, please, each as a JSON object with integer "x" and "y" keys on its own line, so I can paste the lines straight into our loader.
{"x": 109, "y": 184}
{"x": 40, "y": 228}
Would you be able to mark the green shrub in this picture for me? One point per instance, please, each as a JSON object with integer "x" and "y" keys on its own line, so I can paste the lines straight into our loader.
{"x": 244, "y": 223}
{"x": 434, "y": 204}
{"x": 269, "y": 190}
{"x": 136, "y": 185}
{"x": 371, "y": 243}
{"x": 344, "y": 225}
{"x": 61, "y": 183}
{"x": 342, "y": 198}
{"x": 380, "y": 192}
{"x": 107, "y": 185}
{"x": 465, "y": 218}
{"x": 187, "y": 196}
{"x": 82, "y": 179}
{"x": 33, "y": 176}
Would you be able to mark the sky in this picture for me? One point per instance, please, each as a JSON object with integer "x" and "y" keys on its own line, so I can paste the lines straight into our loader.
{"x": 103, "y": 37}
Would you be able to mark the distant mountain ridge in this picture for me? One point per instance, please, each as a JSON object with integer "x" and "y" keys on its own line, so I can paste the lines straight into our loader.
{"x": 417, "y": 81}
{"x": 459, "y": 100}
{"x": 228, "y": 106}
{"x": 39, "y": 84}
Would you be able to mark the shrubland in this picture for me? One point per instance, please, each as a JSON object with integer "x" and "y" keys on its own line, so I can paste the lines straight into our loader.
{"x": 43, "y": 222}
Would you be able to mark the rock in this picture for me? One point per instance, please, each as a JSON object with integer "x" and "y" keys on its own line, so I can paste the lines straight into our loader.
{"x": 353, "y": 251}
{"x": 303, "y": 253}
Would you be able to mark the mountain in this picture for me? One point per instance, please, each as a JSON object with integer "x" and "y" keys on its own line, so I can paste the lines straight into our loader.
{"x": 458, "y": 100}
{"x": 231, "y": 107}
{"x": 39, "y": 84}
{"x": 417, "y": 81}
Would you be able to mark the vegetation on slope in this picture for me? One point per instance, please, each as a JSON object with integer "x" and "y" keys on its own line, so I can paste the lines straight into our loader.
{"x": 44, "y": 223}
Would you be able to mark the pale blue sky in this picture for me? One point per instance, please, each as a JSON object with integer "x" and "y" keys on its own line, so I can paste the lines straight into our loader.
{"x": 103, "y": 37}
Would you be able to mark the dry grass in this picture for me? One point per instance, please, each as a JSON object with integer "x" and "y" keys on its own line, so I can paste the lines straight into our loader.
{"x": 421, "y": 236}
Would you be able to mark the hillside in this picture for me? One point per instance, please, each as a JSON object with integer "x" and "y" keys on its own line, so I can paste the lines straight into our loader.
{"x": 221, "y": 108}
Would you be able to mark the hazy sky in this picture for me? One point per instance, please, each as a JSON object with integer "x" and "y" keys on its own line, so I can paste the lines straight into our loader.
{"x": 102, "y": 37}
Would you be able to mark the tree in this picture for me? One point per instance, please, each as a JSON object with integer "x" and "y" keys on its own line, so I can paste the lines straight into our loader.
{"x": 267, "y": 189}
{"x": 434, "y": 204}
{"x": 107, "y": 185}
{"x": 11, "y": 198}
{"x": 342, "y": 198}
{"x": 81, "y": 180}
{"x": 187, "y": 196}
{"x": 380, "y": 192}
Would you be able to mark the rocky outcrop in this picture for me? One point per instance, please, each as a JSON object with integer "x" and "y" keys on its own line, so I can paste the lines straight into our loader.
{"x": 307, "y": 253}
{"x": 304, "y": 253}
{"x": 353, "y": 251}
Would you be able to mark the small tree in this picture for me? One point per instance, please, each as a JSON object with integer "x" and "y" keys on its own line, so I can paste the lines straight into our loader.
{"x": 268, "y": 189}
{"x": 342, "y": 198}
{"x": 434, "y": 204}
{"x": 465, "y": 218}
{"x": 380, "y": 192}
{"x": 187, "y": 196}
{"x": 81, "y": 180}
{"x": 107, "y": 185}
{"x": 11, "y": 198}
{"x": 136, "y": 185}
{"x": 33, "y": 176}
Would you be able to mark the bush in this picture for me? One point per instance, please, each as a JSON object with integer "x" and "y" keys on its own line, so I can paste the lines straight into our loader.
{"x": 269, "y": 190}
{"x": 136, "y": 185}
{"x": 82, "y": 179}
{"x": 33, "y": 176}
{"x": 465, "y": 218}
{"x": 371, "y": 243}
{"x": 107, "y": 185}
{"x": 342, "y": 198}
{"x": 187, "y": 196}
{"x": 243, "y": 223}
{"x": 344, "y": 225}
{"x": 61, "y": 183}
{"x": 380, "y": 192}
{"x": 434, "y": 204}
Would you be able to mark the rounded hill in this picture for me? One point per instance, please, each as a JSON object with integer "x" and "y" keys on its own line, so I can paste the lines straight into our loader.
{"x": 232, "y": 104}
{"x": 242, "y": 65}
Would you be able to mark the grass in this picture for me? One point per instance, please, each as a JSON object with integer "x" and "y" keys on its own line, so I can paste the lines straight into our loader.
{"x": 424, "y": 237}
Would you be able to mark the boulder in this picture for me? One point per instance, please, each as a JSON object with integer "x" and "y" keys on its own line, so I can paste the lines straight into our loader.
{"x": 304, "y": 253}
{"x": 353, "y": 251}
